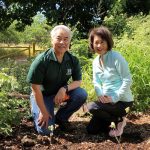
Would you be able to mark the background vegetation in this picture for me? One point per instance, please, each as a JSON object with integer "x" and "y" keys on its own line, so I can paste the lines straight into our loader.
{"x": 131, "y": 36}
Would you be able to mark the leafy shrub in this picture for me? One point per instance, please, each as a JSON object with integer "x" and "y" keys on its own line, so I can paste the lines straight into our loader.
{"x": 19, "y": 71}
{"x": 80, "y": 48}
{"x": 9, "y": 108}
{"x": 135, "y": 47}
{"x": 116, "y": 18}
{"x": 117, "y": 24}
{"x": 87, "y": 83}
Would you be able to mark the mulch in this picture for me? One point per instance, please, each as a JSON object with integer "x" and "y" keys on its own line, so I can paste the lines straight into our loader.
{"x": 136, "y": 136}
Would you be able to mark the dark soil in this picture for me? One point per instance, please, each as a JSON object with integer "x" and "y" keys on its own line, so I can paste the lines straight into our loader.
{"x": 136, "y": 136}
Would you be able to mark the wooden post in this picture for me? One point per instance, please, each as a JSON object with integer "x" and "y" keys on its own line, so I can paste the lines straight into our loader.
{"x": 33, "y": 49}
{"x": 29, "y": 51}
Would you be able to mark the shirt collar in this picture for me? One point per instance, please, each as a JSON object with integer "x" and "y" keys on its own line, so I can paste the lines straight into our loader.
{"x": 52, "y": 55}
{"x": 105, "y": 55}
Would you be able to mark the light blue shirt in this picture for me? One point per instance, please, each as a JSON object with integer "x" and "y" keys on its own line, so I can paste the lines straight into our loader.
{"x": 114, "y": 78}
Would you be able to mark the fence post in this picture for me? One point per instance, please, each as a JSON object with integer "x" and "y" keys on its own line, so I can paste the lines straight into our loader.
{"x": 29, "y": 51}
{"x": 33, "y": 49}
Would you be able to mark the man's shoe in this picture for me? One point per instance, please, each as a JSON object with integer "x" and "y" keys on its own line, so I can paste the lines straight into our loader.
{"x": 65, "y": 125}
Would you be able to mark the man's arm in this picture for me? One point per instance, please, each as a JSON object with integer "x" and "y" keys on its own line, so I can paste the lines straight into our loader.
{"x": 59, "y": 98}
{"x": 44, "y": 115}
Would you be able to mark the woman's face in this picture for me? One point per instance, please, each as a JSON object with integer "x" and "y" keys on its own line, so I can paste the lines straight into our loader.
{"x": 100, "y": 46}
{"x": 61, "y": 41}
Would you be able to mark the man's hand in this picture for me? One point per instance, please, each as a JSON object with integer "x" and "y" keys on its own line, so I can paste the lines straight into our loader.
{"x": 43, "y": 119}
{"x": 59, "y": 98}
{"x": 105, "y": 99}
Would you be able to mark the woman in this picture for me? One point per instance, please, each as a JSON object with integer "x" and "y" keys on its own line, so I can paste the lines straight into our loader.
{"x": 49, "y": 75}
{"x": 112, "y": 81}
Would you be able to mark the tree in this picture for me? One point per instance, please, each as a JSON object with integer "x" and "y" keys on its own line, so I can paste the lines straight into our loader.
{"x": 136, "y": 6}
{"x": 22, "y": 11}
{"x": 83, "y": 14}
{"x": 38, "y": 32}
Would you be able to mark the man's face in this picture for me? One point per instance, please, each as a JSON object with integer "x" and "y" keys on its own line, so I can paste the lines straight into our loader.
{"x": 61, "y": 41}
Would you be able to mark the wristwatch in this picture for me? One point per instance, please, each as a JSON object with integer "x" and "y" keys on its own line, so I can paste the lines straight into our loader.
{"x": 66, "y": 87}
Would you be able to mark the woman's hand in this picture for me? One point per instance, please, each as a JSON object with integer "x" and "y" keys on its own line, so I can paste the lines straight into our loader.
{"x": 59, "y": 98}
{"x": 43, "y": 119}
{"x": 105, "y": 99}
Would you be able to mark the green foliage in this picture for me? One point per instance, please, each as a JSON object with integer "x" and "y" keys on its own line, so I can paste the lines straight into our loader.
{"x": 13, "y": 52}
{"x": 38, "y": 33}
{"x": 134, "y": 45}
{"x": 135, "y": 7}
{"x": 9, "y": 108}
{"x": 87, "y": 83}
{"x": 85, "y": 13}
{"x": 116, "y": 18}
{"x": 120, "y": 10}
{"x": 116, "y": 23}
{"x": 18, "y": 71}
{"x": 9, "y": 36}
{"x": 80, "y": 48}
{"x": 7, "y": 82}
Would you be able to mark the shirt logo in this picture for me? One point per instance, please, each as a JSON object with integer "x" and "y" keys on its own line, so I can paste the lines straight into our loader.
{"x": 69, "y": 72}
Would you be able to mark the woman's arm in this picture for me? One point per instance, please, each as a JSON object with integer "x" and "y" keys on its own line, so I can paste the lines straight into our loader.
{"x": 124, "y": 72}
{"x": 96, "y": 81}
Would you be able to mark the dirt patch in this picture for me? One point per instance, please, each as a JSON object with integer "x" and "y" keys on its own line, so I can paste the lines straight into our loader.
{"x": 136, "y": 137}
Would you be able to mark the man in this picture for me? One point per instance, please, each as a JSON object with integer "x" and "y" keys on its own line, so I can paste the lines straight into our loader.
{"x": 49, "y": 75}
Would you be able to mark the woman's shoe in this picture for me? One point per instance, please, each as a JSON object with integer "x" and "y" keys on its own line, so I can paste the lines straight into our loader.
{"x": 119, "y": 130}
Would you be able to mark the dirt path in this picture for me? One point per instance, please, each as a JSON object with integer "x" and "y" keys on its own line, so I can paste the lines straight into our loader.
{"x": 136, "y": 137}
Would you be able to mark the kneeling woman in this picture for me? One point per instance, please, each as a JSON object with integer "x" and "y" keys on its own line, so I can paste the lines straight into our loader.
{"x": 112, "y": 81}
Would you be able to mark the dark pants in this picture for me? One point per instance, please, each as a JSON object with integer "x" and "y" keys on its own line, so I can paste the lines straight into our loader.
{"x": 77, "y": 98}
{"x": 104, "y": 114}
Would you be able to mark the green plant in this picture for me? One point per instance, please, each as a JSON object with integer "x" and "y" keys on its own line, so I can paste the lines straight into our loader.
{"x": 51, "y": 128}
{"x": 19, "y": 71}
{"x": 9, "y": 108}
{"x": 87, "y": 81}
{"x": 80, "y": 48}
{"x": 116, "y": 18}
{"x": 134, "y": 47}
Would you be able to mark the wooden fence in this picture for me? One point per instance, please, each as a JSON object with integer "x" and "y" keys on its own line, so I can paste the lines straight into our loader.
{"x": 35, "y": 50}
{"x": 17, "y": 47}
{"x": 27, "y": 48}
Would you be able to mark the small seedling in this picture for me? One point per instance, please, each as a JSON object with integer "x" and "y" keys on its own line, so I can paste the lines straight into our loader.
{"x": 51, "y": 128}
{"x": 113, "y": 126}
{"x": 127, "y": 110}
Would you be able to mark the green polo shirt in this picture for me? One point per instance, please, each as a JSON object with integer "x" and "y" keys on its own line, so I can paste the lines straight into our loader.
{"x": 50, "y": 74}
